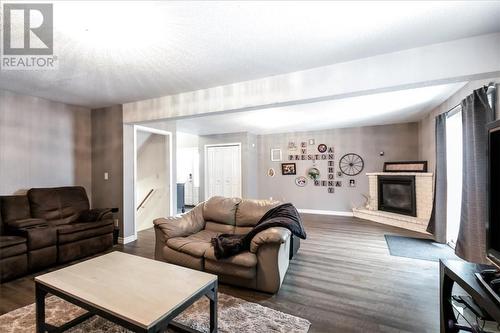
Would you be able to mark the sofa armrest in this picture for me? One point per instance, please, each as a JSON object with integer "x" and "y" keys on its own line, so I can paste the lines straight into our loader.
{"x": 183, "y": 225}
{"x": 25, "y": 223}
{"x": 95, "y": 214}
{"x": 275, "y": 235}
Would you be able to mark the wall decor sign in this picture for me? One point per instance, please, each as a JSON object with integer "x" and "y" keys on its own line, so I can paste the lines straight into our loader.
{"x": 313, "y": 173}
{"x": 288, "y": 169}
{"x": 271, "y": 172}
{"x": 406, "y": 166}
{"x": 352, "y": 183}
{"x": 303, "y": 144}
{"x": 339, "y": 174}
{"x": 338, "y": 183}
{"x": 292, "y": 145}
{"x": 351, "y": 164}
{"x": 322, "y": 148}
{"x": 276, "y": 155}
{"x": 301, "y": 181}
{"x": 311, "y": 142}
{"x": 331, "y": 190}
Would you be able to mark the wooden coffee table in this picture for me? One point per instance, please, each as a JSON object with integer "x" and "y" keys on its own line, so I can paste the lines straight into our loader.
{"x": 140, "y": 294}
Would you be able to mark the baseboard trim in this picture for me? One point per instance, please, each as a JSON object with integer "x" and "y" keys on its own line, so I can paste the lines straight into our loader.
{"x": 125, "y": 240}
{"x": 325, "y": 212}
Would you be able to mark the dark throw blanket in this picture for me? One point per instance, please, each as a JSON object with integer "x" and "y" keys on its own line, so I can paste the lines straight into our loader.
{"x": 285, "y": 216}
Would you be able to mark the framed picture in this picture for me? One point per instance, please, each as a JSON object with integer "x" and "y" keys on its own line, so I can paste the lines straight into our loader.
{"x": 406, "y": 166}
{"x": 288, "y": 169}
{"x": 276, "y": 155}
{"x": 271, "y": 172}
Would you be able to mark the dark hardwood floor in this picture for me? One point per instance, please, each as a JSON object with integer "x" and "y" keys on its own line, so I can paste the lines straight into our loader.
{"x": 342, "y": 280}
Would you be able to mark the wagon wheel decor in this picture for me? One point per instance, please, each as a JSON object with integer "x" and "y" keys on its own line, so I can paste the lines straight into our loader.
{"x": 351, "y": 164}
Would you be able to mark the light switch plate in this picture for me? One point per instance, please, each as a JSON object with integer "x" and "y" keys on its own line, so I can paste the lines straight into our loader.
{"x": 106, "y": 176}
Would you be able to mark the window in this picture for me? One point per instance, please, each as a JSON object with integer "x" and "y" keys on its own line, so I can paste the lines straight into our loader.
{"x": 454, "y": 174}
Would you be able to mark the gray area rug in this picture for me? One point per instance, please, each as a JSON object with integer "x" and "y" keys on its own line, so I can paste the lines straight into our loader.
{"x": 418, "y": 248}
{"x": 235, "y": 315}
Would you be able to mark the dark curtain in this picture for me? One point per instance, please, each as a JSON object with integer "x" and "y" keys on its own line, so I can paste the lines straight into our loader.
{"x": 476, "y": 113}
{"x": 437, "y": 222}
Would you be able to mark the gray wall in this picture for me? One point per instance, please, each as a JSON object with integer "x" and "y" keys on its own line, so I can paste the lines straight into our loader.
{"x": 399, "y": 142}
{"x": 427, "y": 143}
{"x": 43, "y": 144}
{"x": 107, "y": 156}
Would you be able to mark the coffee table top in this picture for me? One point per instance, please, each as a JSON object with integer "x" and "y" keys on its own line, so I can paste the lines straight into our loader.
{"x": 136, "y": 289}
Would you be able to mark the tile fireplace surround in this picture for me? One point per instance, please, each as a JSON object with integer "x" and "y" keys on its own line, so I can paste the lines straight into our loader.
{"x": 424, "y": 191}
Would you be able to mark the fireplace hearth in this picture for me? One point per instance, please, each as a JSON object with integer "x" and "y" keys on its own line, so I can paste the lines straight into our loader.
{"x": 396, "y": 194}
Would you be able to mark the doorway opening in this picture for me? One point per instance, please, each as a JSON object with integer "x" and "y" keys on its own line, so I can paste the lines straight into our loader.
{"x": 153, "y": 188}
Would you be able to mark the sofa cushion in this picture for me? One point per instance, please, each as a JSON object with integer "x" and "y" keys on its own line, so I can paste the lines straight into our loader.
{"x": 220, "y": 209}
{"x": 219, "y": 227}
{"x": 26, "y": 223}
{"x": 77, "y": 231}
{"x": 15, "y": 207}
{"x": 223, "y": 268}
{"x": 245, "y": 259}
{"x": 59, "y": 204}
{"x": 182, "y": 259}
{"x": 11, "y": 246}
{"x": 249, "y": 211}
{"x": 196, "y": 244}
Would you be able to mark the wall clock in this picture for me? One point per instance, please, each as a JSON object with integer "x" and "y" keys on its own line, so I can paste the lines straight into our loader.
{"x": 351, "y": 164}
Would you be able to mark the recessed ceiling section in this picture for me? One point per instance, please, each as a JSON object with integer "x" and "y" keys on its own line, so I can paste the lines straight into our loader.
{"x": 376, "y": 109}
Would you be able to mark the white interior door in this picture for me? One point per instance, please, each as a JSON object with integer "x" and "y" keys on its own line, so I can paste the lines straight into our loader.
{"x": 223, "y": 171}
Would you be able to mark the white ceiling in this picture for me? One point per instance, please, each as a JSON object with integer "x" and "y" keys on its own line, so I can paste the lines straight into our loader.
{"x": 116, "y": 52}
{"x": 377, "y": 109}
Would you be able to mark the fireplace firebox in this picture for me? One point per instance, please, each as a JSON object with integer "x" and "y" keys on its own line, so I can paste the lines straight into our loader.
{"x": 396, "y": 194}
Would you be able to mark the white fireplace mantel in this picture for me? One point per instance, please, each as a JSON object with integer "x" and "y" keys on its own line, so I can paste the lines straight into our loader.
{"x": 424, "y": 191}
{"x": 417, "y": 174}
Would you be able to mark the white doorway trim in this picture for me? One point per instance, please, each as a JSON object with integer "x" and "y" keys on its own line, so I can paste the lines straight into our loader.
{"x": 205, "y": 181}
{"x": 170, "y": 176}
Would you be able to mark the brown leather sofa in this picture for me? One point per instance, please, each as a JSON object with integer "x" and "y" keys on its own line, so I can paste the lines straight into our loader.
{"x": 13, "y": 256}
{"x": 185, "y": 241}
{"x": 57, "y": 226}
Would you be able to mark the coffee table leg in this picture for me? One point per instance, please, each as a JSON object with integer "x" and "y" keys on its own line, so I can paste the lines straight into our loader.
{"x": 40, "y": 309}
{"x": 213, "y": 310}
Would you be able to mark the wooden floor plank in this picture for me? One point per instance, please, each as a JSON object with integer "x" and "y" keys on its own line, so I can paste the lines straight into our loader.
{"x": 343, "y": 280}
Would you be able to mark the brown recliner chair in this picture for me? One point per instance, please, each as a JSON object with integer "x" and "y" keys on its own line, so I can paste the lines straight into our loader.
{"x": 13, "y": 256}
{"x": 185, "y": 241}
{"x": 58, "y": 225}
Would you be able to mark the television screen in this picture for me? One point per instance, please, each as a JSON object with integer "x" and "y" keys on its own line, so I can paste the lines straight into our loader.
{"x": 493, "y": 229}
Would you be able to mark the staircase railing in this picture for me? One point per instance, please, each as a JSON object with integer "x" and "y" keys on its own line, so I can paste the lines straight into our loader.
{"x": 146, "y": 198}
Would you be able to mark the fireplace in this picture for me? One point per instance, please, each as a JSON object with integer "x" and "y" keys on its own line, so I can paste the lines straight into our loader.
{"x": 396, "y": 194}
